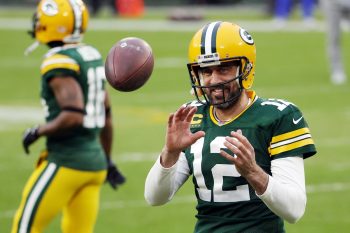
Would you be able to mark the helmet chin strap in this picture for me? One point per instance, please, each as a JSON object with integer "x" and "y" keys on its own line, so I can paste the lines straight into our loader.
{"x": 31, "y": 48}
{"x": 231, "y": 101}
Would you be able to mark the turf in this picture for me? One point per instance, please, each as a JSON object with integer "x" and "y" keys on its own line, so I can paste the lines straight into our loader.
{"x": 291, "y": 66}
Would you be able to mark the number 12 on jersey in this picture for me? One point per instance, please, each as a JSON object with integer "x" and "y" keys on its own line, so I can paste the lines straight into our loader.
{"x": 219, "y": 171}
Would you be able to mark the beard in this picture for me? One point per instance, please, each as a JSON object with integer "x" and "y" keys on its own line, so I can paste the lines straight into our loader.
{"x": 226, "y": 99}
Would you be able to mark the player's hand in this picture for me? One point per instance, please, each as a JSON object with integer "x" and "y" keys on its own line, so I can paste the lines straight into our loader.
{"x": 244, "y": 161}
{"x": 114, "y": 176}
{"x": 179, "y": 136}
{"x": 29, "y": 137}
{"x": 244, "y": 154}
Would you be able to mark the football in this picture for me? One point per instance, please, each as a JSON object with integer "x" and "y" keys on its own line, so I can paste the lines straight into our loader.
{"x": 129, "y": 64}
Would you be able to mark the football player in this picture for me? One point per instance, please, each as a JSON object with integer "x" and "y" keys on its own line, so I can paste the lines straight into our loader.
{"x": 245, "y": 153}
{"x": 78, "y": 127}
{"x": 335, "y": 11}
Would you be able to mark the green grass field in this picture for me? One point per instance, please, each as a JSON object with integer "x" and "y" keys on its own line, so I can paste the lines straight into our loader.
{"x": 291, "y": 66}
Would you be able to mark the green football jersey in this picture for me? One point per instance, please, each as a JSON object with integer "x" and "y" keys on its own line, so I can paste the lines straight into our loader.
{"x": 80, "y": 148}
{"x": 226, "y": 202}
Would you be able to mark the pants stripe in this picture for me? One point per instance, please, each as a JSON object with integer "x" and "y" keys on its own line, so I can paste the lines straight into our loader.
{"x": 34, "y": 197}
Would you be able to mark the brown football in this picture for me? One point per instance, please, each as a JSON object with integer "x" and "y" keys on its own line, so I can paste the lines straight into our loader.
{"x": 129, "y": 64}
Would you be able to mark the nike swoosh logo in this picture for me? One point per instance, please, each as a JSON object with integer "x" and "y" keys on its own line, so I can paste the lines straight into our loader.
{"x": 297, "y": 121}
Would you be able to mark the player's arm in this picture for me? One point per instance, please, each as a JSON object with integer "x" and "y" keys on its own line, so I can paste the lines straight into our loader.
{"x": 284, "y": 191}
{"x": 171, "y": 169}
{"x": 69, "y": 96}
{"x": 106, "y": 135}
{"x": 162, "y": 183}
{"x": 114, "y": 176}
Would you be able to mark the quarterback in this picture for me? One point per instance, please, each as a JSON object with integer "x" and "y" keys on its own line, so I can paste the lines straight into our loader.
{"x": 78, "y": 128}
{"x": 244, "y": 153}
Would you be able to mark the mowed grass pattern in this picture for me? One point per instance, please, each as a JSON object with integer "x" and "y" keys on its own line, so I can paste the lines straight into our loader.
{"x": 291, "y": 66}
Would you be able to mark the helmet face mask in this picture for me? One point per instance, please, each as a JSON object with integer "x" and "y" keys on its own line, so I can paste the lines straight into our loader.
{"x": 231, "y": 89}
{"x": 217, "y": 44}
{"x": 59, "y": 20}
{"x": 34, "y": 22}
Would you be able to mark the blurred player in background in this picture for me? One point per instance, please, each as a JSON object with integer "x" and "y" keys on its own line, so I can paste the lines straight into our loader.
{"x": 78, "y": 129}
{"x": 245, "y": 153}
{"x": 335, "y": 11}
{"x": 283, "y": 9}
{"x": 96, "y": 6}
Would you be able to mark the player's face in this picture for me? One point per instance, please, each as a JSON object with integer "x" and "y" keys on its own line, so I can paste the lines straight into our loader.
{"x": 221, "y": 85}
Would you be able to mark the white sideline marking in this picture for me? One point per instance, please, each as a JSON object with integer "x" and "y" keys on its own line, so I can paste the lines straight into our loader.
{"x": 167, "y": 25}
{"x": 14, "y": 114}
{"x": 180, "y": 200}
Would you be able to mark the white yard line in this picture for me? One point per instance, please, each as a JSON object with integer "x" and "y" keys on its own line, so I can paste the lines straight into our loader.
{"x": 13, "y": 115}
{"x": 180, "y": 200}
{"x": 9, "y": 114}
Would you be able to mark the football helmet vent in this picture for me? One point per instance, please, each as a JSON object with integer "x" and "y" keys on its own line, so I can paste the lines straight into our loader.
{"x": 217, "y": 43}
{"x": 60, "y": 20}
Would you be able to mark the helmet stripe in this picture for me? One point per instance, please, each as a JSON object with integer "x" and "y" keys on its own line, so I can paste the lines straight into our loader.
{"x": 208, "y": 39}
{"x": 213, "y": 37}
{"x": 78, "y": 15}
{"x": 203, "y": 38}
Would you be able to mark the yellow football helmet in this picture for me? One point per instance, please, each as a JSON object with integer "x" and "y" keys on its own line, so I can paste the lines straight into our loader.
{"x": 217, "y": 43}
{"x": 60, "y": 20}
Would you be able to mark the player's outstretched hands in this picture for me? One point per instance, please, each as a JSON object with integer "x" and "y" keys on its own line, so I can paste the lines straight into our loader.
{"x": 114, "y": 177}
{"x": 30, "y": 135}
{"x": 178, "y": 135}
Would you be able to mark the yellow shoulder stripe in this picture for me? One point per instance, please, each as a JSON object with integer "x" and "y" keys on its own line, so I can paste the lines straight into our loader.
{"x": 291, "y": 146}
{"x": 289, "y": 135}
{"x": 289, "y": 141}
{"x": 59, "y": 61}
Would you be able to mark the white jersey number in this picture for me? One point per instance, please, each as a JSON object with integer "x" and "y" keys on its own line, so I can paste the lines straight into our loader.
{"x": 280, "y": 104}
{"x": 95, "y": 110}
{"x": 218, "y": 171}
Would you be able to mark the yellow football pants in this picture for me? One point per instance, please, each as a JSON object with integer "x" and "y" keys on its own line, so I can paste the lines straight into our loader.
{"x": 52, "y": 189}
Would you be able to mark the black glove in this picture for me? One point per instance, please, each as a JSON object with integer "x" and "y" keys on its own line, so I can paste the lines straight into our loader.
{"x": 114, "y": 176}
{"x": 29, "y": 137}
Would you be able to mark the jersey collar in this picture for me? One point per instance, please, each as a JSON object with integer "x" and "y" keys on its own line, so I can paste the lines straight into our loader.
{"x": 252, "y": 97}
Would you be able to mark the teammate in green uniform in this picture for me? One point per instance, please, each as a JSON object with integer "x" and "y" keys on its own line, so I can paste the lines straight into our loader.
{"x": 244, "y": 153}
{"x": 78, "y": 126}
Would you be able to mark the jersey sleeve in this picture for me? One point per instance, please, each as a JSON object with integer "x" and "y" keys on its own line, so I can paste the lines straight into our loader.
{"x": 59, "y": 65}
{"x": 291, "y": 135}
